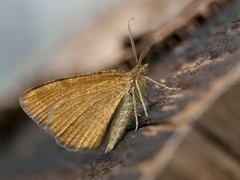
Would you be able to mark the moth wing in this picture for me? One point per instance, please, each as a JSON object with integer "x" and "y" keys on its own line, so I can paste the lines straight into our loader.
{"x": 77, "y": 110}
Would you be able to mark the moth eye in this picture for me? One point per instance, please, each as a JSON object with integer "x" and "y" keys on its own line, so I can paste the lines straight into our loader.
{"x": 142, "y": 69}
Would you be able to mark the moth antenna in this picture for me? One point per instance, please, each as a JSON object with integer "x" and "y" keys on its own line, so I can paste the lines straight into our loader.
{"x": 146, "y": 49}
{"x": 132, "y": 42}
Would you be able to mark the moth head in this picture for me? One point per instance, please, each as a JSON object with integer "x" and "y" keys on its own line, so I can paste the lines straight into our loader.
{"x": 143, "y": 69}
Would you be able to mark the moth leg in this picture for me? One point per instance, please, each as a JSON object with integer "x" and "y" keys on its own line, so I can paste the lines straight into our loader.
{"x": 161, "y": 85}
{"x": 141, "y": 99}
{"x": 135, "y": 108}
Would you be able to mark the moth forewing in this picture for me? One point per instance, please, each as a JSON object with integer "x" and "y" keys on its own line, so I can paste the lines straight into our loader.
{"x": 77, "y": 110}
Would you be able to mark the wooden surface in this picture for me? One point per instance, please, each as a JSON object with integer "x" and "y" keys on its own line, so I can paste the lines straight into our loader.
{"x": 212, "y": 149}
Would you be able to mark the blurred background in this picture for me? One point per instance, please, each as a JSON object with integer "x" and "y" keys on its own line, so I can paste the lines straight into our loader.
{"x": 33, "y": 31}
{"x": 43, "y": 40}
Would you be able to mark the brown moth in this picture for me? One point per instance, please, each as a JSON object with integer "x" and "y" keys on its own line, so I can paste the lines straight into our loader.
{"x": 78, "y": 110}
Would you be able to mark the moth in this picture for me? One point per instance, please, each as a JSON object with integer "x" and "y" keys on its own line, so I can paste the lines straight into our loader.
{"x": 77, "y": 111}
